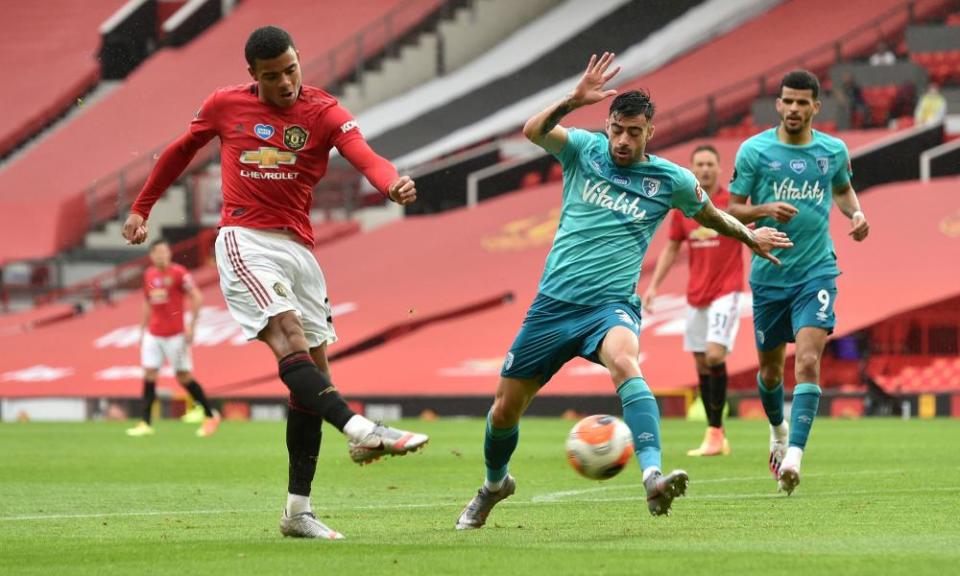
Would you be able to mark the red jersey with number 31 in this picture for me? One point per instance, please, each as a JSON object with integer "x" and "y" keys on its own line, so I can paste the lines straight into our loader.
{"x": 164, "y": 290}
{"x": 271, "y": 158}
{"x": 716, "y": 261}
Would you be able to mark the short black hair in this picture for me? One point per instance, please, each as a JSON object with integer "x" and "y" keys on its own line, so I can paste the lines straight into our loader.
{"x": 705, "y": 148}
{"x": 633, "y": 103}
{"x": 265, "y": 43}
{"x": 801, "y": 80}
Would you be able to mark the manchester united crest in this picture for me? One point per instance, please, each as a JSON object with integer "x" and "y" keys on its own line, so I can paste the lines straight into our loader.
{"x": 295, "y": 137}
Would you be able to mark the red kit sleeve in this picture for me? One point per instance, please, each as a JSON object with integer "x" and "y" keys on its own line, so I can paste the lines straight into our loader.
{"x": 176, "y": 157}
{"x": 346, "y": 137}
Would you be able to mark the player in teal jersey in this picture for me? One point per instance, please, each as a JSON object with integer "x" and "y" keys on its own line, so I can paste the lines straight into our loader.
{"x": 790, "y": 174}
{"x": 614, "y": 197}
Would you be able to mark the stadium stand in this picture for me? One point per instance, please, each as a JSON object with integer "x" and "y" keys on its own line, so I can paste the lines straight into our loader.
{"x": 692, "y": 102}
{"x": 486, "y": 253}
{"x": 63, "y": 35}
{"x": 130, "y": 125}
{"x": 625, "y": 26}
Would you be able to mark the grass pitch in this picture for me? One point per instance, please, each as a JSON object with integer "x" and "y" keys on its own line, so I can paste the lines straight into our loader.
{"x": 877, "y": 496}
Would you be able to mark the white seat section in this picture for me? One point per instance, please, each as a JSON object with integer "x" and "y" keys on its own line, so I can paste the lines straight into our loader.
{"x": 697, "y": 26}
{"x": 517, "y": 50}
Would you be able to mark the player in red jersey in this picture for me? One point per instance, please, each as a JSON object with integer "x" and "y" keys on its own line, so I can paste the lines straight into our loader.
{"x": 164, "y": 336}
{"x": 275, "y": 140}
{"x": 713, "y": 297}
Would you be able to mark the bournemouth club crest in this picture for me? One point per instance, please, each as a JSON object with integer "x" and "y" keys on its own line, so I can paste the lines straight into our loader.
{"x": 295, "y": 137}
{"x": 650, "y": 186}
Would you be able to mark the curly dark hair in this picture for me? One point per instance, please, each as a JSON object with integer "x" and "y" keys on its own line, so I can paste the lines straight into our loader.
{"x": 265, "y": 43}
{"x": 801, "y": 80}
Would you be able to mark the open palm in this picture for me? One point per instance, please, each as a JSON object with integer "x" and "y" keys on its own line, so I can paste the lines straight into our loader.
{"x": 590, "y": 88}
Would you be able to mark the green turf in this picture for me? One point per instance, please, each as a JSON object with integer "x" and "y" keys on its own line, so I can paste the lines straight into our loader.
{"x": 878, "y": 496}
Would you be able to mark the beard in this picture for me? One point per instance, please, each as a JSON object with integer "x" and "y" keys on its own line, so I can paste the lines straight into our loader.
{"x": 793, "y": 130}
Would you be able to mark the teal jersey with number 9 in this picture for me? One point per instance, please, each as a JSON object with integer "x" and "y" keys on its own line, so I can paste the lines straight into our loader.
{"x": 767, "y": 170}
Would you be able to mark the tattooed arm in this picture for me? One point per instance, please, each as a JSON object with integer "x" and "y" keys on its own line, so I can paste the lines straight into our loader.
{"x": 544, "y": 129}
{"x": 761, "y": 240}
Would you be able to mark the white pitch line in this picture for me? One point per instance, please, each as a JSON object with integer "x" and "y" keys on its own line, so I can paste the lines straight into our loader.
{"x": 549, "y": 498}
{"x": 766, "y": 495}
{"x": 121, "y": 514}
{"x": 555, "y": 496}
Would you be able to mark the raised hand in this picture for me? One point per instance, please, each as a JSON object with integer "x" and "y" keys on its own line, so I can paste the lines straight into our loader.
{"x": 590, "y": 88}
{"x": 768, "y": 239}
{"x": 403, "y": 190}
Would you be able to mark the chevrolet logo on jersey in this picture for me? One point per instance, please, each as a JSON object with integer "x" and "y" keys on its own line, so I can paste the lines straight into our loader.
{"x": 268, "y": 157}
{"x": 703, "y": 233}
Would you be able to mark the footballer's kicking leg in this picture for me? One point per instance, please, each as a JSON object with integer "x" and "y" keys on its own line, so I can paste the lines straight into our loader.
{"x": 313, "y": 399}
{"x": 619, "y": 352}
{"x": 806, "y": 402}
{"x": 303, "y": 449}
{"x": 312, "y": 389}
{"x": 500, "y": 440}
{"x": 770, "y": 387}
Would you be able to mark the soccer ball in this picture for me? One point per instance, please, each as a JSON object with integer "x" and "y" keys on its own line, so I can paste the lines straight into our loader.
{"x": 599, "y": 446}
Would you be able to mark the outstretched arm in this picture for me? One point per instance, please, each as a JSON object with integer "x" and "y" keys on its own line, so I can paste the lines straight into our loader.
{"x": 761, "y": 240}
{"x": 544, "y": 130}
{"x": 171, "y": 164}
{"x": 379, "y": 171}
{"x": 848, "y": 203}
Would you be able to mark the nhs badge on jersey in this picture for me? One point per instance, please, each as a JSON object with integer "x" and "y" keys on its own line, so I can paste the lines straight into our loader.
{"x": 650, "y": 186}
{"x": 798, "y": 165}
{"x": 263, "y": 131}
{"x": 620, "y": 180}
{"x": 823, "y": 164}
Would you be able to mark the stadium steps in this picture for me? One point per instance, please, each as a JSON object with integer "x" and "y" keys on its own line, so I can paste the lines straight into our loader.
{"x": 454, "y": 40}
{"x": 621, "y": 28}
{"x": 170, "y": 210}
{"x": 104, "y": 248}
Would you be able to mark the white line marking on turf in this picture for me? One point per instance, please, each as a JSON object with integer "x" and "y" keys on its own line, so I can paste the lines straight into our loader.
{"x": 762, "y": 495}
{"x": 555, "y": 496}
{"x": 122, "y": 514}
{"x": 549, "y": 498}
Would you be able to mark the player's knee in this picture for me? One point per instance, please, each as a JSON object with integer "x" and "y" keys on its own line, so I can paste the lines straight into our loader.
{"x": 624, "y": 366}
{"x": 184, "y": 378}
{"x": 505, "y": 414}
{"x": 771, "y": 376}
{"x": 808, "y": 365}
{"x": 150, "y": 374}
{"x": 715, "y": 357}
{"x": 284, "y": 335}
